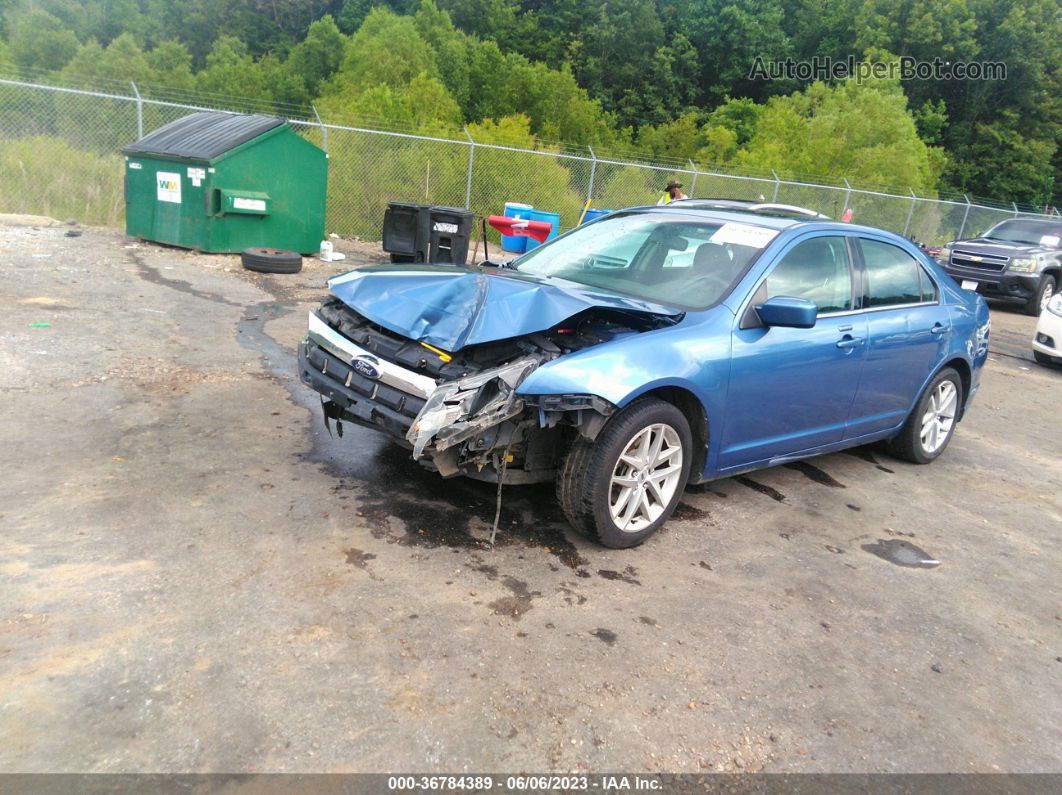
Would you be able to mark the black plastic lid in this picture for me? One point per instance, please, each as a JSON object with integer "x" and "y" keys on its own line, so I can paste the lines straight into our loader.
{"x": 204, "y": 135}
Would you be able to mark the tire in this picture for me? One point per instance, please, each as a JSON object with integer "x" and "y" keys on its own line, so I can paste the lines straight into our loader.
{"x": 1046, "y": 289}
{"x": 271, "y": 260}
{"x": 1043, "y": 358}
{"x": 910, "y": 445}
{"x": 585, "y": 487}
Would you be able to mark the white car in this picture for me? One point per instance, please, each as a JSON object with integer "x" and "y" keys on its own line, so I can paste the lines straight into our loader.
{"x": 1047, "y": 344}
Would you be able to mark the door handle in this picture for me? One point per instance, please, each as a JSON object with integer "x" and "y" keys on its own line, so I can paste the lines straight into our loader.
{"x": 938, "y": 328}
{"x": 849, "y": 342}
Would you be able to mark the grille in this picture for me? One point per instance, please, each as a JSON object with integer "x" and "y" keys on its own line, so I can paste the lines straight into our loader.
{"x": 984, "y": 262}
{"x": 353, "y": 387}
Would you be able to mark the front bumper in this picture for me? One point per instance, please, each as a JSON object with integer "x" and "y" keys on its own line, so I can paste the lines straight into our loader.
{"x": 1048, "y": 337}
{"x": 1001, "y": 285}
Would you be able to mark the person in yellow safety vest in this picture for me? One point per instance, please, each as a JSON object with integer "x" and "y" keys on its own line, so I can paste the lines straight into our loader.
{"x": 673, "y": 192}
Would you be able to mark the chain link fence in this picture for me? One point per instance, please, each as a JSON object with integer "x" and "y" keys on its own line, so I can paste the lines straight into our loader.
{"x": 60, "y": 156}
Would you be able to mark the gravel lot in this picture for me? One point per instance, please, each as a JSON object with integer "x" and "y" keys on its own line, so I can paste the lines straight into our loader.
{"x": 195, "y": 577}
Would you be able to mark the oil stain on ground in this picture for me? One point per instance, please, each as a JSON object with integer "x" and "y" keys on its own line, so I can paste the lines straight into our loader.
{"x": 864, "y": 454}
{"x": 627, "y": 575}
{"x": 815, "y": 474}
{"x": 437, "y": 512}
{"x": 762, "y": 488}
{"x": 605, "y": 635}
{"x": 902, "y": 553}
{"x": 516, "y": 605}
{"x": 685, "y": 512}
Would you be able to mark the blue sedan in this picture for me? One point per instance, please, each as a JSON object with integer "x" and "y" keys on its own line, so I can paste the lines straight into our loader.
{"x": 650, "y": 349}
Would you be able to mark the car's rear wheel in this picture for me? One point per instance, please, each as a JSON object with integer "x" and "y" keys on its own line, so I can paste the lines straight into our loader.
{"x": 1043, "y": 294}
{"x": 931, "y": 424}
{"x": 620, "y": 488}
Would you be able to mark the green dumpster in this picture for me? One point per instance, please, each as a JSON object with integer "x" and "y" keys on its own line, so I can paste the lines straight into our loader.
{"x": 223, "y": 182}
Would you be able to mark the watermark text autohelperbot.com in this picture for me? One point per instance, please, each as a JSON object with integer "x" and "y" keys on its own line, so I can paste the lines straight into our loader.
{"x": 903, "y": 68}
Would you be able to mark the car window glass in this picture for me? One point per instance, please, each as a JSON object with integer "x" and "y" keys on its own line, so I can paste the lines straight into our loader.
{"x": 816, "y": 270}
{"x": 929, "y": 290}
{"x": 892, "y": 274}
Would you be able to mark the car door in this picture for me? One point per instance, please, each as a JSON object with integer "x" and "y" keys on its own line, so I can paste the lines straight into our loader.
{"x": 907, "y": 335}
{"x": 791, "y": 389}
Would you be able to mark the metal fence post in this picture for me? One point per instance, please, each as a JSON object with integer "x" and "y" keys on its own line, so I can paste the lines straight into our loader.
{"x": 910, "y": 212}
{"x": 693, "y": 185}
{"x": 1015, "y": 206}
{"x": 847, "y": 195}
{"x": 324, "y": 130}
{"x": 774, "y": 198}
{"x": 139, "y": 111}
{"x": 468, "y": 181}
{"x": 965, "y": 215}
{"x": 593, "y": 171}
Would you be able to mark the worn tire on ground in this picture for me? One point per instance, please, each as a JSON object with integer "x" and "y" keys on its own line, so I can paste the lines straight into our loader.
{"x": 271, "y": 260}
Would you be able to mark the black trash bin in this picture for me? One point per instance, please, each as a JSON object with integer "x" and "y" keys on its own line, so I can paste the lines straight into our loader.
{"x": 406, "y": 231}
{"x": 451, "y": 230}
{"x": 423, "y": 233}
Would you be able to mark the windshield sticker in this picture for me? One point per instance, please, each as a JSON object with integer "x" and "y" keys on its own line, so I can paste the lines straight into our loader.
{"x": 744, "y": 235}
{"x": 1049, "y": 240}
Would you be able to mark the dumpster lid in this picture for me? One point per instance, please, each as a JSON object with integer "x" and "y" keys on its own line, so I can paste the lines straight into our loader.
{"x": 204, "y": 135}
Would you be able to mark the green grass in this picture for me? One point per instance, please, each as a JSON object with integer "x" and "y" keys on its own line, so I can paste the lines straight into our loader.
{"x": 44, "y": 175}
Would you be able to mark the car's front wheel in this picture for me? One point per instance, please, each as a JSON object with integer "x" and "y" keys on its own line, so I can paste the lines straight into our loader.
{"x": 932, "y": 422}
{"x": 620, "y": 488}
{"x": 1043, "y": 294}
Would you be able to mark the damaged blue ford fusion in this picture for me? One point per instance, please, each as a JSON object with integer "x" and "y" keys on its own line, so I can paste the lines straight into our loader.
{"x": 654, "y": 348}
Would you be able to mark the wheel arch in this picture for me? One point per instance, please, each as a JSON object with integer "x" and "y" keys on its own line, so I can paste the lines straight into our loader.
{"x": 962, "y": 367}
{"x": 696, "y": 415}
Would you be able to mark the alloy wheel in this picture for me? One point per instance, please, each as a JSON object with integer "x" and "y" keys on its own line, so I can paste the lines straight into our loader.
{"x": 645, "y": 477}
{"x": 939, "y": 417}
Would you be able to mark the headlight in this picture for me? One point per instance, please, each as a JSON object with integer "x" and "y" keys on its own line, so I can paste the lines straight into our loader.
{"x": 1054, "y": 306}
{"x": 1023, "y": 264}
{"x": 944, "y": 257}
{"x": 459, "y": 409}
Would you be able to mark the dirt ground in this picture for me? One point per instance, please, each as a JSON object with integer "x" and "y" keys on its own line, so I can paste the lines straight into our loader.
{"x": 195, "y": 577}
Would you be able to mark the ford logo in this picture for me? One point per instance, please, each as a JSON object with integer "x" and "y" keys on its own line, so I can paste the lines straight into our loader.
{"x": 366, "y": 366}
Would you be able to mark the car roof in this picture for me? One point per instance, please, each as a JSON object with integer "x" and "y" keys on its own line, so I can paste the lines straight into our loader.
{"x": 755, "y": 219}
{"x": 779, "y": 223}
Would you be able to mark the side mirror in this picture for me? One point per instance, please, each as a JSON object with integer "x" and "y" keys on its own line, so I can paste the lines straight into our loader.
{"x": 788, "y": 312}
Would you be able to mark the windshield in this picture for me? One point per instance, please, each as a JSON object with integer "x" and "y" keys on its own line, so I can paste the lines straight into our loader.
{"x": 1033, "y": 233}
{"x": 652, "y": 256}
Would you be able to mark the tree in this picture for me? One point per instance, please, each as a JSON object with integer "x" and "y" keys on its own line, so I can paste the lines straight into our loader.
{"x": 172, "y": 64}
{"x": 232, "y": 73}
{"x": 728, "y": 36}
{"x": 40, "y": 43}
{"x": 312, "y": 61}
{"x": 862, "y": 131}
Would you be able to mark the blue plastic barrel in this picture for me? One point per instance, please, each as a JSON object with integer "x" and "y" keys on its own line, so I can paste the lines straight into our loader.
{"x": 591, "y": 214}
{"x": 517, "y": 245}
{"x": 549, "y": 218}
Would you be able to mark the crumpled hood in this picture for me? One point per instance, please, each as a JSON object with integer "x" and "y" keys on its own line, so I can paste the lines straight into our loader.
{"x": 452, "y": 307}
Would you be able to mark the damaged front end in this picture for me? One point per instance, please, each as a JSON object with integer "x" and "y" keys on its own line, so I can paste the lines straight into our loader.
{"x": 459, "y": 412}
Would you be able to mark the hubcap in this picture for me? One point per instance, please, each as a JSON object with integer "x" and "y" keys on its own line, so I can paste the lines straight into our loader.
{"x": 939, "y": 418}
{"x": 645, "y": 478}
